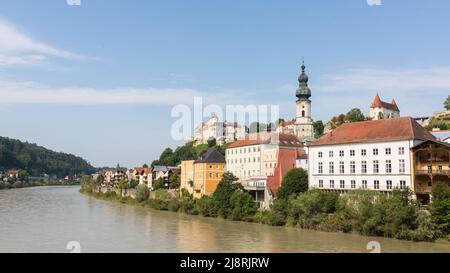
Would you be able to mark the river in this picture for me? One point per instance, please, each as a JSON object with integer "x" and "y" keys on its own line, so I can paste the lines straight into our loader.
{"x": 45, "y": 219}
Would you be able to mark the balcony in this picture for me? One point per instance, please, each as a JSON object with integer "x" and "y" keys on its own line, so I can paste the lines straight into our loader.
{"x": 432, "y": 172}
{"x": 254, "y": 184}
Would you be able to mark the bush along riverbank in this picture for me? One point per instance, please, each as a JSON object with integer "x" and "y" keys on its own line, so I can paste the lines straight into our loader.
{"x": 365, "y": 212}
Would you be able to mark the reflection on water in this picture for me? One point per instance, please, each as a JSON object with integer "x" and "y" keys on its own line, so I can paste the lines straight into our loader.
{"x": 45, "y": 219}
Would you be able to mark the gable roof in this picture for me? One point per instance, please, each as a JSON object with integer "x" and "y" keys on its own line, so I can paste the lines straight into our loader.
{"x": 285, "y": 140}
{"x": 404, "y": 128}
{"x": 378, "y": 103}
{"x": 211, "y": 156}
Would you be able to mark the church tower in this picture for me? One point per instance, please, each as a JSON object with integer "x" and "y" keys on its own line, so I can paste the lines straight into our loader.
{"x": 304, "y": 128}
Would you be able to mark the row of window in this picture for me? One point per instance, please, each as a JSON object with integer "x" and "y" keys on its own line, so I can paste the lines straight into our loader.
{"x": 363, "y": 185}
{"x": 243, "y": 150}
{"x": 375, "y": 151}
{"x": 244, "y": 160}
{"x": 212, "y": 167}
{"x": 363, "y": 167}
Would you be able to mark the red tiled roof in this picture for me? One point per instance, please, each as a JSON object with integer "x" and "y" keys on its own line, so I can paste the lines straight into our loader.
{"x": 378, "y": 103}
{"x": 404, "y": 128}
{"x": 267, "y": 138}
{"x": 287, "y": 123}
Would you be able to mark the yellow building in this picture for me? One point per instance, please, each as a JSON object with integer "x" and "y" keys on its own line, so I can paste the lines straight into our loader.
{"x": 201, "y": 177}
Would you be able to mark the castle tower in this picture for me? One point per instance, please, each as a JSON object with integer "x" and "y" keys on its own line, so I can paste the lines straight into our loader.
{"x": 304, "y": 128}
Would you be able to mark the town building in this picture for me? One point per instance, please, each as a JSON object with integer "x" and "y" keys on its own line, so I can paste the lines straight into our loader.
{"x": 261, "y": 160}
{"x": 112, "y": 177}
{"x": 222, "y": 132}
{"x": 431, "y": 165}
{"x": 13, "y": 173}
{"x": 200, "y": 177}
{"x": 164, "y": 173}
{"x": 383, "y": 110}
{"x": 374, "y": 155}
{"x": 143, "y": 175}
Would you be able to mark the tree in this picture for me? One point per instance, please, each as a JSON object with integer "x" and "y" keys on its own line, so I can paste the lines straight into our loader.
{"x": 133, "y": 183}
{"x": 243, "y": 206}
{"x": 158, "y": 184}
{"x": 174, "y": 181}
{"x": 294, "y": 182}
{"x": 447, "y": 103}
{"x": 145, "y": 166}
{"x": 142, "y": 193}
{"x": 318, "y": 128}
{"x": 222, "y": 196}
{"x": 440, "y": 207}
{"x": 212, "y": 142}
{"x": 355, "y": 115}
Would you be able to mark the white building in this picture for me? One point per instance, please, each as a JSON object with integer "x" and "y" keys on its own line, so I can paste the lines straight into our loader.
{"x": 222, "y": 132}
{"x": 383, "y": 110}
{"x": 369, "y": 155}
{"x": 261, "y": 160}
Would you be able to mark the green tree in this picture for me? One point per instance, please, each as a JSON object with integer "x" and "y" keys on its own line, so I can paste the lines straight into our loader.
{"x": 142, "y": 193}
{"x": 440, "y": 207}
{"x": 158, "y": 184}
{"x": 447, "y": 103}
{"x": 243, "y": 206}
{"x": 355, "y": 115}
{"x": 293, "y": 183}
{"x": 319, "y": 128}
{"x": 174, "y": 181}
{"x": 133, "y": 183}
{"x": 222, "y": 196}
{"x": 212, "y": 142}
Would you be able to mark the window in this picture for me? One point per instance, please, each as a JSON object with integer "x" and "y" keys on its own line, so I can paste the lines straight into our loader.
{"x": 331, "y": 184}
{"x": 217, "y": 174}
{"x": 401, "y": 166}
{"x": 363, "y": 152}
{"x": 376, "y": 184}
{"x": 320, "y": 154}
{"x": 440, "y": 168}
{"x": 331, "y": 167}
{"x": 320, "y": 183}
{"x": 402, "y": 184}
{"x": 388, "y": 151}
{"x": 210, "y": 174}
{"x": 320, "y": 168}
{"x": 430, "y": 169}
{"x": 210, "y": 166}
{"x": 363, "y": 166}
{"x": 341, "y": 167}
{"x": 352, "y": 152}
{"x": 430, "y": 183}
{"x": 375, "y": 151}
{"x": 401, "y": 150}
{"x": 342, "y": 184}
{"x": 331, "y": 154}
{"x": 388, "y": 166}
{"x": 376, "y": 166}
{"x": 389, "y": 185}
{"x": 364, "y": 184}
{"x": 341, "y": 153}
{"x": 353, "y": 184}
{"x": 352, "y": 167}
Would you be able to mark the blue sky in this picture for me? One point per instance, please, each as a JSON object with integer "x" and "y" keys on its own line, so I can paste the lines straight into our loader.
{"x": 99, "y": 80}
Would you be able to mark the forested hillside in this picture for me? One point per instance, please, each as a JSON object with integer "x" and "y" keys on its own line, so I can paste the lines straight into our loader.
{"x": 37, "y": 160}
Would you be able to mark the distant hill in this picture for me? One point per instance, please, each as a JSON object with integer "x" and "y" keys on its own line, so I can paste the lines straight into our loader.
{"x": 37, "y": 160}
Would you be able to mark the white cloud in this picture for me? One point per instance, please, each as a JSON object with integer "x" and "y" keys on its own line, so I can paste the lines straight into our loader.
{"x": 17, "y": 48}
{"x": 32, "y": 93}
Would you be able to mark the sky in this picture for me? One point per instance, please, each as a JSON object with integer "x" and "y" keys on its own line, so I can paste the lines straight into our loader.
{"x": 99, "y": 78}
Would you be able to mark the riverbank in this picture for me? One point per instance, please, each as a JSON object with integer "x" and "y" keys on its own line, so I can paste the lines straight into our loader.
{"x": 280, "y": 215}
{"x": 31, "y": 184}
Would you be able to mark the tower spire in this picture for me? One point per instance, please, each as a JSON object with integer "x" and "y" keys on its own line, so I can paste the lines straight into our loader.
{"x": 303, "y": 91}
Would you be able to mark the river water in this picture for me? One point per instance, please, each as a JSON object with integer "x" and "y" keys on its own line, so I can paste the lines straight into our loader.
{"x": 45, "y": 219}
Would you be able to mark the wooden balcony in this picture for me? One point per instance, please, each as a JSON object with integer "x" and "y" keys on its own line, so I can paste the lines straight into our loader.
{"x": 432, "y": 172}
